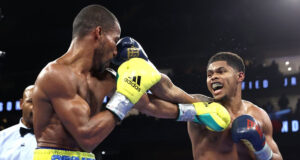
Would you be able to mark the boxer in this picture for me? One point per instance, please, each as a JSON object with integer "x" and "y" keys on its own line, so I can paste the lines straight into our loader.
{"x": 68, "y": 116}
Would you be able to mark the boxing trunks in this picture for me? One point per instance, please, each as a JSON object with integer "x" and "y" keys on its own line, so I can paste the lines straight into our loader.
{"x": 60, "y": 154}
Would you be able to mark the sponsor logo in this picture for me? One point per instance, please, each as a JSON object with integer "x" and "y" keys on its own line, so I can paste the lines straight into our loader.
{"x": 251, "y": 124}
{"x": 133, "y": 52}
{"x": 60, "y": 157}
{"x": 134, "y": 81}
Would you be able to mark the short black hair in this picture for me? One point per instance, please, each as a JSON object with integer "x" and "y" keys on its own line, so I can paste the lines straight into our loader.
{"x": 92, "y": 16}
{"x": 232, "y": 59}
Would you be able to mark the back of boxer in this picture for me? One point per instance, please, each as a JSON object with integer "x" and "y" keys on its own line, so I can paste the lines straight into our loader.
{"x": 69, "y": 120}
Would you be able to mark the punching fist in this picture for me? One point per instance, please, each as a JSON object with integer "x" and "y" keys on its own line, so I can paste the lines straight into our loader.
{"x": 128, "y": 48}
{"x": 134, "y": 78}
{"x": 213, "y": 115}
{"x": 246, "y": 129}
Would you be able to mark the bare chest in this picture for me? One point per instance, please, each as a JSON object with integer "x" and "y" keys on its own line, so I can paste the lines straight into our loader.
{"x": 216, "y": 145}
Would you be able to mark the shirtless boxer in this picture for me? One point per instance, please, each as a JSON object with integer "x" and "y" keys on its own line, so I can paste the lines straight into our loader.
{"x": 69, "y": 91}
{"x": 69, "y": 119}
{"x": 250, "y": 136}
{"x": 225, "y": 73}
{"x": 250, "y": 133}
{"x": 212, "y": 115}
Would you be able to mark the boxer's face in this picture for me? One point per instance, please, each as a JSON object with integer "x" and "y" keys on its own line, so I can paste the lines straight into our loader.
{"x": 26, "y": 106}
{"x": 107, "y": 48}
{"x": 222, "y": 80}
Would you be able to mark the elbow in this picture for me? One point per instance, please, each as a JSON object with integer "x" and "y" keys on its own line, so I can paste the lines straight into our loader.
{"x": 86, "y": 141}
{"x": 87, "y": 145}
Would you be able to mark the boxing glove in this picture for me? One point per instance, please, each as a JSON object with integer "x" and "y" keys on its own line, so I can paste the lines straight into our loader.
{"x": 246, "y": 129}
{"x": 134, "y": 77}
{"x": 213, "y": 115}
{"x": 128, "y": 48}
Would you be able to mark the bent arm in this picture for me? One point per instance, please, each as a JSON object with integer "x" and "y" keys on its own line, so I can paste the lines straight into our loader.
{"x": 268, "y": 131}
{"x": 88, "y": 131}
{"x": 74, "y": 112}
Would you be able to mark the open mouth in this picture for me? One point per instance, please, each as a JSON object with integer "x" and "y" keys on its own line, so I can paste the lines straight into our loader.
{"x": 216, "y": 86}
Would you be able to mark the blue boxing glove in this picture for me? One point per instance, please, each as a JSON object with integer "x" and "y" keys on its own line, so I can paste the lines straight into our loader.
{"x": 246, "y": 129}
{"x": 128, "y": 48}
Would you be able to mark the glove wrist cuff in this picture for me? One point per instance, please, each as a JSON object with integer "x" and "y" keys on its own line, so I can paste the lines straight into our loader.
{"x": 186, "y": 112}
{"x": 119, "y": 105}
{"x": 265, "y": 153}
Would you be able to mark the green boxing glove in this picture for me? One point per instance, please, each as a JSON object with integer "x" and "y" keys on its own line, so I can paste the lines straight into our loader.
{"x": 213, "y": 115}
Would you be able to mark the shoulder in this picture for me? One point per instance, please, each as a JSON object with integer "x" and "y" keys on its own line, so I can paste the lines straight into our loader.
{"x": 259, "y": 114}
{"x": 55, "y": 79}
{"x": 254, "y": 109}
{"x": 8, "y": 132}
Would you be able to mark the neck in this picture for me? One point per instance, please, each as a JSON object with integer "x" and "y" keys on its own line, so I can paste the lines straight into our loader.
{"x": 26, "y": 123}
{"x": 79, "y": 55}
{"x": 234, "y": 102}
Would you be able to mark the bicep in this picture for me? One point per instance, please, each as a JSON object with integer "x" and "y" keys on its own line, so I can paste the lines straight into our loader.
{"x": 61, "y": 91}
{"x": 73, "y": 112}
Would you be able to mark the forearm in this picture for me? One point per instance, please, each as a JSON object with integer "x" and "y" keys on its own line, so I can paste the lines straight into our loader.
{"x": 96, "y": 130}
{"x": 153, "y": 106}
{"x": 166, "y": 90}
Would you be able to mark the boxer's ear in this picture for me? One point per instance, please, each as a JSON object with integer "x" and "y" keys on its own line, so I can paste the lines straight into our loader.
{"x": 21, "y": 103}
{"x": 98, "y": 32}
{"x": 241, "y": 76}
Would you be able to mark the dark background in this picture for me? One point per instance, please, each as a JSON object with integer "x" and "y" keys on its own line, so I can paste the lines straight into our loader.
{"x": 177, "y": 35}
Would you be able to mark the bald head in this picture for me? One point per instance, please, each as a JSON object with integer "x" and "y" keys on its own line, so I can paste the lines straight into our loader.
{"x": 28, "y": 91}
{"x": 26, "y": 106}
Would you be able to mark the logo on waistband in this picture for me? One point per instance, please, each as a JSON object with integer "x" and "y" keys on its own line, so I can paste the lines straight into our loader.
{"x": 60, "y": 157}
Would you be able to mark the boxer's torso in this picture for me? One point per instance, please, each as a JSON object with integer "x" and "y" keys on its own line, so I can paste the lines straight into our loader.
{"x": 93, "y": 89}
{"x": 219, "y": 145}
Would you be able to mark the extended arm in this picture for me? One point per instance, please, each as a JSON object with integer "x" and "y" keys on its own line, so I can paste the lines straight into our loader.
{"x": 166, "y": 90}
{"x": 166, "y": 95}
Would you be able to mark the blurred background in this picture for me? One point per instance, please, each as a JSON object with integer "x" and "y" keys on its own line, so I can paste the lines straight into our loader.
{"x": 179, "y": 37}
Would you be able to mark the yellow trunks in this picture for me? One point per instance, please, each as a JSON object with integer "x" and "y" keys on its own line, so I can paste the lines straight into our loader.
{"x": 57, "y": 154}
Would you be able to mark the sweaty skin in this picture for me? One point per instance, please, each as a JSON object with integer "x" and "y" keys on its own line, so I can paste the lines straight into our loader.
{"x": 206, "y": 144}
{"x": 219, "y": 145}
{"x": 69, "y": 92}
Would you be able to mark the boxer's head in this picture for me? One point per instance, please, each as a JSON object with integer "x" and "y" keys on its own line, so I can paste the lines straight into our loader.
{"x": 225, "y": 73}
{"x": 26, "y": 106}
{"x": 104, "y": 32}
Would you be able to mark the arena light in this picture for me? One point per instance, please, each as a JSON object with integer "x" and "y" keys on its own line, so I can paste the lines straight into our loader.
{"x": 1, "y": 107}
{"x": 287, "y": 63}
{"x": 8, "y": 106}
{"x": 265, "y": 83}
{"x": 293, "y": 81}
{"x": 2, "y": 54}
{"x": 17, "y": 106}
